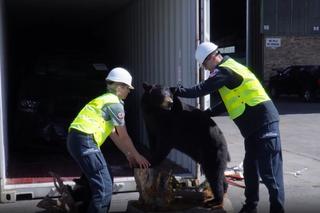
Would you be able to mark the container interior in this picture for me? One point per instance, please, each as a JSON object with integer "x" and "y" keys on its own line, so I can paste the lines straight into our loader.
{"x": 58, "y": 54}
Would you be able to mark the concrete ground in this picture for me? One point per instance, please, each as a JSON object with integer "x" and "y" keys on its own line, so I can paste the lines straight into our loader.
{"x": 299, "y": 126}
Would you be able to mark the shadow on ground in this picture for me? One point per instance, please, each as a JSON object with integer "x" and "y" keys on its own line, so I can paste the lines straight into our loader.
{"x": 294, "y": 105}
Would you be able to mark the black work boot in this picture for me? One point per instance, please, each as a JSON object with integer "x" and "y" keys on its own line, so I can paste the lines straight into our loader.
{"x": 248, "y": 209}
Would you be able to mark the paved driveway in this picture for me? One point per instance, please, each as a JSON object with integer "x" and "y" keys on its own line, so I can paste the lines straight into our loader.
{"x": 300, "y": 133}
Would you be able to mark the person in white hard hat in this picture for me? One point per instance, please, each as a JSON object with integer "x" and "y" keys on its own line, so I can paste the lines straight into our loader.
{"x": 237, "y": 91}
{"x": 100, "y": 118}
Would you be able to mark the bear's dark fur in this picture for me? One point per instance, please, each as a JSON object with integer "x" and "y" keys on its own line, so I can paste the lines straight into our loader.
{"x": 188, "y": 130}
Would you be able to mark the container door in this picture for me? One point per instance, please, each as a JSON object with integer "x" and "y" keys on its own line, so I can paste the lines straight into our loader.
{"x": 160, "y": 38}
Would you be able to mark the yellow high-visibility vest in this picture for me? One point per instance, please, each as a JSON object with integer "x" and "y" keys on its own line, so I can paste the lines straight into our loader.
{"x": 90, "y": 119}
{"x": 250, "y": 91}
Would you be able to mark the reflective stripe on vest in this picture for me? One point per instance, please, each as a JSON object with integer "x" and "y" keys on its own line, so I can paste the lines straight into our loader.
{"x": 250, "y": 91}
{"x": 90, "y": 119}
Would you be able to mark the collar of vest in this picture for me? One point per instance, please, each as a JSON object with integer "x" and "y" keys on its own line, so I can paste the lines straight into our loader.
{"x": 114, "y": 96}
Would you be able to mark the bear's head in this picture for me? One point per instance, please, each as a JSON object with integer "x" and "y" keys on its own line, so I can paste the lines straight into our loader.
{"x": 156, "y": 97}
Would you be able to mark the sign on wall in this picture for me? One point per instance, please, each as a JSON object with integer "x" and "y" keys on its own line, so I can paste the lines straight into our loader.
{"x": 273, "y": 43}
{"x": 227, "y": 50}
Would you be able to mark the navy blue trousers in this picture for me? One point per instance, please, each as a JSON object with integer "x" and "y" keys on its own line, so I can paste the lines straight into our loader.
{"x": 93, "y": 165}
{"x": 263, "y": 158}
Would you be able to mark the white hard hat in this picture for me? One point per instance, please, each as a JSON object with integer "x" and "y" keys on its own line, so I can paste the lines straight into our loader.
{"x": 203, "y": 50}
{"x": 121, "y": 75}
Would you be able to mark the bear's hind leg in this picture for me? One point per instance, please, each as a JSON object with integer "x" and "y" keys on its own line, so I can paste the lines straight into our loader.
{"x": 215, "y": 177}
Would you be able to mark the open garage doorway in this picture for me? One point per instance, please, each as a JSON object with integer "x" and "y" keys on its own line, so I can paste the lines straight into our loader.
{"x": 228, "y": 27}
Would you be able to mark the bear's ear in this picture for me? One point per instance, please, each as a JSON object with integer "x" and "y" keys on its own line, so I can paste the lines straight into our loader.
{"x": 147, "y": 87}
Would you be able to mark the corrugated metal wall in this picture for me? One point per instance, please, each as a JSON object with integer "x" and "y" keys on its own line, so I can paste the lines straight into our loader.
{"x": 290, "y": 17}
{"x": 158, "y": 41}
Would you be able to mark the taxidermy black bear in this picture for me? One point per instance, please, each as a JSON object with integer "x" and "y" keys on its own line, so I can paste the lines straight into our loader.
{"x": 173, "y": 124}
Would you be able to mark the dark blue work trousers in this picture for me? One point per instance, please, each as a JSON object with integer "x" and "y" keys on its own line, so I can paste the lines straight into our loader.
{"x": 93, "y": 165}
{"x": 263, "y": 158}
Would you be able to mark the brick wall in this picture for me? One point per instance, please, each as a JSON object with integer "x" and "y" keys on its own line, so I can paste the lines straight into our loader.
{"x": 294, "y": 50}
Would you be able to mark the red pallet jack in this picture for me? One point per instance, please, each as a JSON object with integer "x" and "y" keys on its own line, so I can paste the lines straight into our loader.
{"x": 233, "y": 177}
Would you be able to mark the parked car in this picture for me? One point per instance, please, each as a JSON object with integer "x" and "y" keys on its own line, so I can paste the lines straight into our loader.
{"x": 302, "y": 80}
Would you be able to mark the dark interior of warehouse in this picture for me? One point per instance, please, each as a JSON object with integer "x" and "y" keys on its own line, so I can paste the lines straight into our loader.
{"x": 228, "y": 26}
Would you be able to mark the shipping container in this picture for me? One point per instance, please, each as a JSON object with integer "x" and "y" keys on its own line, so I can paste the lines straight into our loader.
{"x": 54, "y": 56}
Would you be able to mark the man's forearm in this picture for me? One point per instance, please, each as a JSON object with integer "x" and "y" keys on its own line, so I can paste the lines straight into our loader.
{"x": 124, "y": 144}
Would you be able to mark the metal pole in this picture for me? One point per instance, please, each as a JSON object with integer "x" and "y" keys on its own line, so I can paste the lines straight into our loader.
{"x": 205, "y": 36}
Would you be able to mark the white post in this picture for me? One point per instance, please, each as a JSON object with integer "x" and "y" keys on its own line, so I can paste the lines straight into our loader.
{"x": 204, "y": 36}
{"x": 2, "y": 98}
